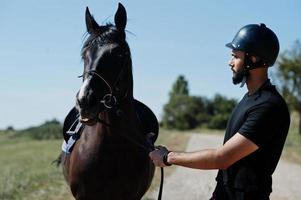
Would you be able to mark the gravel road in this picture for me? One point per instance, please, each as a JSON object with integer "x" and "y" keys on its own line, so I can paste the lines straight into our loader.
{"x": 193, "y": 184}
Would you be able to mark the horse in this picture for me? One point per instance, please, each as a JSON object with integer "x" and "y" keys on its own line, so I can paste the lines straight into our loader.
{"x": 109, "y": 161}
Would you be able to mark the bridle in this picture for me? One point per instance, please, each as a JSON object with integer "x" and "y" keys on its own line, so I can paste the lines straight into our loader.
{"x": 109, "y": 100}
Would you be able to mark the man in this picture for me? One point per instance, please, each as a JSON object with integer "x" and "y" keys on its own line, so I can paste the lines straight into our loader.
{"x": 256, "y": 130}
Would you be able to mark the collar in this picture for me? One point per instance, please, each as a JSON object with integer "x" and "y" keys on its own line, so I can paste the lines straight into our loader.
{"x": 265, "y": 86}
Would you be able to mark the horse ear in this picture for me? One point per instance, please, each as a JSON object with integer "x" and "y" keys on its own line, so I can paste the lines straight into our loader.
{"x": 120, "y": 17}
{"x": 90, "y": 22}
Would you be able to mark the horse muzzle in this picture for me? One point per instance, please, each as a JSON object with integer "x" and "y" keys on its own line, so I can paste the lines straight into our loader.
{"x": 88, "y": 115}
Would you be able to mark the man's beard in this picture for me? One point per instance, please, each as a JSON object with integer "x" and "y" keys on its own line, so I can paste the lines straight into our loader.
{"x": 239, "y": 76}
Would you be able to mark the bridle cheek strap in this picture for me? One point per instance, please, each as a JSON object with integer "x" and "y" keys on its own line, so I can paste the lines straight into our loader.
{"x": 108, "y": 100}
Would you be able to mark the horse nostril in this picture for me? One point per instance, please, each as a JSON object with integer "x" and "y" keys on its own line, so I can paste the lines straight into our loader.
{"x": 81, "y": 101}
{"x": 86, "y": 101}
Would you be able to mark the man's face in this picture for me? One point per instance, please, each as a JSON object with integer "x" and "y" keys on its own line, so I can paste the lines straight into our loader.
{"x": 237, "y": 65}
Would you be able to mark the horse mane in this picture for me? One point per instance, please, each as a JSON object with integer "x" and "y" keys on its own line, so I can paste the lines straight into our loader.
{"x": 105, "y": 35}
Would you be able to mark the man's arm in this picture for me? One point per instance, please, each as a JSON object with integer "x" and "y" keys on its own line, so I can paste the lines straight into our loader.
{"x": 221, "y": 158}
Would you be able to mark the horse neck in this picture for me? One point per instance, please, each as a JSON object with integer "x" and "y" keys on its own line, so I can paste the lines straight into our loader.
{"x": 127, "y": 122}
{"x": 131, "y": 81}
{"x": 116, "y": 130}
{"x": 125, "y": 113}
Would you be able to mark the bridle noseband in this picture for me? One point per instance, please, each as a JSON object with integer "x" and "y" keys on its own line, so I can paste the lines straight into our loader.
{"x": 109, "y": 100}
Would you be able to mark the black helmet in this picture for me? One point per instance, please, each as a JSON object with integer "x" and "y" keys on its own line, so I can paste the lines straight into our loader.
{"x": 257, "y": 40}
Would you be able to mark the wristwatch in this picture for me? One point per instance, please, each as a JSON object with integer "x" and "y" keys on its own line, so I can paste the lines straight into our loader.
{"x": 165, "y": 159}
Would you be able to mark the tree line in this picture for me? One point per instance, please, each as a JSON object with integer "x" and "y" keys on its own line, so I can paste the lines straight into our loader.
{"x": 51, "y": 129}
{"x": 184, "y": 111}
{"x": 288, "y": 75}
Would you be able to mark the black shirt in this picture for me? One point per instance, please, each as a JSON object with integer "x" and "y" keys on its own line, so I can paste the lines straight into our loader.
{"x": 263, "y": 118}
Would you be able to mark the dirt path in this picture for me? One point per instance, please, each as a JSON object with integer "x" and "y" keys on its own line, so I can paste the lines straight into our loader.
{"x": 199, "y": 184}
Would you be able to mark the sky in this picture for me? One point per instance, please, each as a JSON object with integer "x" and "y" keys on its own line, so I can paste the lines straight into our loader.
{"x": 40, "y": 44}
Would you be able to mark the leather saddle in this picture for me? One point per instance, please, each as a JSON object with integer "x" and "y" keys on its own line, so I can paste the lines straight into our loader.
{"x": 147, "y": 119}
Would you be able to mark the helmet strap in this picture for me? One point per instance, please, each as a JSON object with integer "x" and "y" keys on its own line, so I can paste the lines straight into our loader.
{"x": 249, "y": 64}
{"x": 243, "y": 82}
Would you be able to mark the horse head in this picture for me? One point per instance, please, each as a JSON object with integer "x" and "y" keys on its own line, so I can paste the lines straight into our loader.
{"x": 107, "y": 76}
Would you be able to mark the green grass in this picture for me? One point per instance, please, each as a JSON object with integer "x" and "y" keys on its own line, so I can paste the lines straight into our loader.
{"x": 26, "y": 172}
{"x": 292, "y": 149}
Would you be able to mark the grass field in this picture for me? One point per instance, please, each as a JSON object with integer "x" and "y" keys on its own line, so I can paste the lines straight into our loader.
{"x": 26, "y": 172}
{"x": 292, "y": 149}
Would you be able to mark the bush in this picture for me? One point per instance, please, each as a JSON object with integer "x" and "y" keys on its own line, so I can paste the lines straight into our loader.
{"x": 49, "y": 130}
{"x": 184, "y": 112}
{"x": 187, "y": 112}
{"x": 220, "y": 108}
{"x": 218, "y": 121}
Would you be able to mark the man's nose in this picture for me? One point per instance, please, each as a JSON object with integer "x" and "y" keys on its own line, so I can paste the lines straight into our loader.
{"x": 230, "y": 63}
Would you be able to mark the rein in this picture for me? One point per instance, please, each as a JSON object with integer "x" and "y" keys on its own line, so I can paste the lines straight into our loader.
{"x": 147, "y": 149}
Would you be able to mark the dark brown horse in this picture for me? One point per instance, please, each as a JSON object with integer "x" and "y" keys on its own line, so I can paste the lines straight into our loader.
{"x": 110, "y": 160}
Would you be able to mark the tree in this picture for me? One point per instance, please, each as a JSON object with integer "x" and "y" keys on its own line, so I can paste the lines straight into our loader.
{"x": 49, "y": 130}
{"x": 289, "y": 76}
{"x": 220, "y": 109}
{"x": 182, "y": 111}
{"x": 10, "y": 129}
{"x": 179, "y": 88}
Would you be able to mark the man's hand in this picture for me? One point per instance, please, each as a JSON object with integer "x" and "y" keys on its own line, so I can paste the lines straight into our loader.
{"x": 158, "y": 155}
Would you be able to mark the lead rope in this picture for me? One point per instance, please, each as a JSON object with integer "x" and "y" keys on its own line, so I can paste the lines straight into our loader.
{"x": 151, "y": 148}
{"x": 109, "y": 97}
{"x": 161, "y": 184}
{"x": 148, "y": 150}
